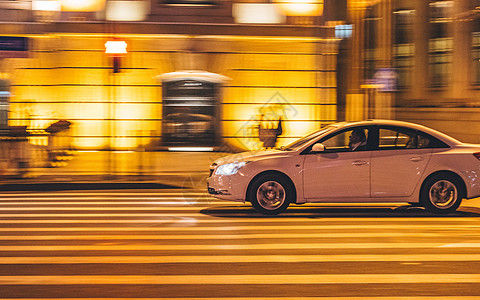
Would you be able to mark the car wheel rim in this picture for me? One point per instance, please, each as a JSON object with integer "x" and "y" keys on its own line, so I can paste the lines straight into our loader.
{"x": 443, "y": 194}
{"x": 271, "y": 195}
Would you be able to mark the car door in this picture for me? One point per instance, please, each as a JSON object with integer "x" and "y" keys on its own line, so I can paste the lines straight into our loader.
{"x": 399, "y": 162}
{"x": 338, "y": 171}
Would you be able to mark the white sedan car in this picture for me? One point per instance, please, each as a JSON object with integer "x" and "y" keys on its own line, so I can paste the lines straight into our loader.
{"x": 354, "y": 162}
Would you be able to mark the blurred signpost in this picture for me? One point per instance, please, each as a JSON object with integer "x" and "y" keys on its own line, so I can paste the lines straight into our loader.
{"x": 116, "y": 49}
{"x": 386, "y": 79}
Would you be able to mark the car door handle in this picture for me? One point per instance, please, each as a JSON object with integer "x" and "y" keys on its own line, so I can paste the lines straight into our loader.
{"x": 359, "y": 163}
{"x": 416, "y": 158}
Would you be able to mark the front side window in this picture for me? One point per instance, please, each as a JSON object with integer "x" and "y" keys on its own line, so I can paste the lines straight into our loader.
{"x": 306, "y": 139}
{"x": 346, "y": 141}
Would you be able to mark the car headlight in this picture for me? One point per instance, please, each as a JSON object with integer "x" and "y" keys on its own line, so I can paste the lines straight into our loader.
{"x": 230, "y": 169}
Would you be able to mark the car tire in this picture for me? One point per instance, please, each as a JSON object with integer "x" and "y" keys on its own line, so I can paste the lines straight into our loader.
{"x": 271, "y": 194}
{"x": 441, "y": 193}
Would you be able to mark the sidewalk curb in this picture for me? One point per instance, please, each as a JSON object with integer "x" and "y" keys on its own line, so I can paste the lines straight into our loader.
{"x": 64, "y": 186}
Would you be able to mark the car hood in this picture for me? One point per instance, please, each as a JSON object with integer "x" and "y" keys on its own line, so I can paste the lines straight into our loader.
{"x": 250, "y": 156}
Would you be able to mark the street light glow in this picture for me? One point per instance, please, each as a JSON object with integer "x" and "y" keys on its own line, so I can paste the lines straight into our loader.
{"x": 301, "y": 7}
{"x": 126, "y": 10}
{"x": 46, "y": 5}
{"x": 84, "y": 5}
{"x": 116, "y": 47}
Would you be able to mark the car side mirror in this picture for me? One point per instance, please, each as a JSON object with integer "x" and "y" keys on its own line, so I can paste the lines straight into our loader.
{"x": 318, "y": 147}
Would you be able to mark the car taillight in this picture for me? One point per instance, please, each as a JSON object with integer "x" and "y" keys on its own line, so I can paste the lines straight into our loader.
{"x": 477, "y": 155}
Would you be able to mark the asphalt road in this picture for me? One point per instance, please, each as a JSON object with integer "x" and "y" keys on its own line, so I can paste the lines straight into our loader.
{"x": 174, "y": 244}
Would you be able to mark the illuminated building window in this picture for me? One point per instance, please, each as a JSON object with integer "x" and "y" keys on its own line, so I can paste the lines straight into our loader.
{"x": 440, "y": 61}
{"x": 440, "y": 43}
{"x": 259, "y": 13}
{"x": 343, "y": 31}
{"x": 4, "y": 99}
{"x": 126, "y": 10}
{"x": 45, "y": 5}
{"x": 82, "y": 6}
{"x": 190, "y": 2}
{"x": 404, "y": 47}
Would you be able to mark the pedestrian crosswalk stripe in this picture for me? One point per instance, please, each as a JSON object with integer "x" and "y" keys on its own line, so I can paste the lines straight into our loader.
{"x": 106, "y": 194}
{"x": 388, "y": 223}
{"x": 196, "y": 223}
{"x": 276, "y": 298}
{"x": 94, "y": 208}
{"x": 163, "y": 218}
{"x": 240, "y": 259}
{"x": 114, "y": 203}
{"x": 82, "y": 200}
{"x": 265, "y": 246}
{"x": 271, "y": 235}
{"x": 106, "y": 214}
{"x": 230, "y": 225}
{"x": 242, "y": 279}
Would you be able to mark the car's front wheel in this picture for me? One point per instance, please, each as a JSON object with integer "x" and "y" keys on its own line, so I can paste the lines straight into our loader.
{"x": 441, "y": 193}
{"x": 270, "y": 194}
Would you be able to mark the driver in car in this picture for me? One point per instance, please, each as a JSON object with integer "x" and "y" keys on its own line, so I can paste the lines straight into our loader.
{"x": 358, "y": 140}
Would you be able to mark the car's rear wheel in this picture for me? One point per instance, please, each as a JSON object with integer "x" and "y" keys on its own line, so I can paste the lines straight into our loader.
{"x": 441, "y": 193}
{"x": 270, "y": 194}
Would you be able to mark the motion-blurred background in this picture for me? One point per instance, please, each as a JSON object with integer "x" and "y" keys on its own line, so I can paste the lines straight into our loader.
{"x": 198, "y": 75}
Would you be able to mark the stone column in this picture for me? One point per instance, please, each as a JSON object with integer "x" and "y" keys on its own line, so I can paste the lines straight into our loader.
{"x": 420, "y": 65}
{"x": 462, "y": 49}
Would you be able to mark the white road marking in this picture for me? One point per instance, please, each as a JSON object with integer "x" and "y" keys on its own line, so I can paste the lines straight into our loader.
{"x": 266, "y": 236}
{"x": 243, "y": 279}
{"x": 239, "y": 259}
{"x": 264, "y": 246}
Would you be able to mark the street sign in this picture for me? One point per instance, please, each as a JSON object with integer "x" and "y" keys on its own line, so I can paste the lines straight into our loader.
{"x": 386, "y": 79}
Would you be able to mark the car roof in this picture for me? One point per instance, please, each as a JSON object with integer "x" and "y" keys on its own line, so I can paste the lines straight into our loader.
{"x": 379, "y": 122}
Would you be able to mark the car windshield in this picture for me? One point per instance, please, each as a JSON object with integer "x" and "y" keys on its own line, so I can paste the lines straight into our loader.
{"x": 299, "y": 143}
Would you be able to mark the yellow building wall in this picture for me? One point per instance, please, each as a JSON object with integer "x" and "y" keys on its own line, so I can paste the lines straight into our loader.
{"x": 69, "y": 77}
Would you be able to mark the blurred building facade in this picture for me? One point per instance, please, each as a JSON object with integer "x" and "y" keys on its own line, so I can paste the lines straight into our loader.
{"x": 421, "y": 59}
{"x": 272, "y": 65}
{"x": 244, "y": 64}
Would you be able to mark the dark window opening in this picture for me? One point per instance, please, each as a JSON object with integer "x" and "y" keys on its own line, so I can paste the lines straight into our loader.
{"x": 190, "y": 113}
{"x": 404, "y": 48}
{"x": 440, "y": 42}
{"x": 371, "y": 52}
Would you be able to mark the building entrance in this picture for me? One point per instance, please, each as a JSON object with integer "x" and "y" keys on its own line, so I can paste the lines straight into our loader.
{"x": 4, "y": 103}
{"x": 191, "y": 113}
